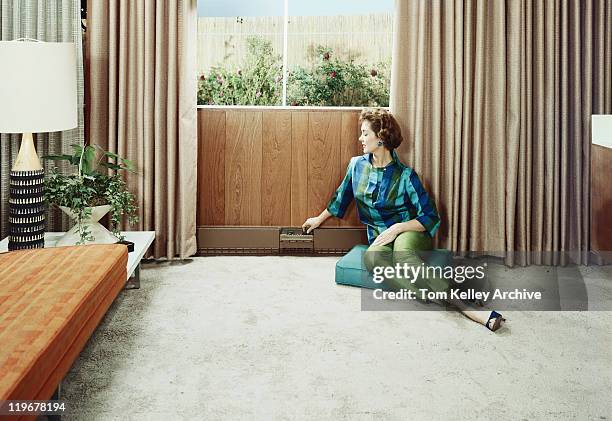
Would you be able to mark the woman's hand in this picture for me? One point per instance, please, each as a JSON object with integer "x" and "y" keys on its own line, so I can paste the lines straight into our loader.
{"x": 311, "y": 223}
{"x": 388, "y": 235}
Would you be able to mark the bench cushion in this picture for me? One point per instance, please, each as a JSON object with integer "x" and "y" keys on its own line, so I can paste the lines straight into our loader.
{"x": 350, "y": 269}
{"x": 51, "y": 300}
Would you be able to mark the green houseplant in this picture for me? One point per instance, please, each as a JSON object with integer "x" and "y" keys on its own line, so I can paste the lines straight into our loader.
{"x": 96, "y": 187}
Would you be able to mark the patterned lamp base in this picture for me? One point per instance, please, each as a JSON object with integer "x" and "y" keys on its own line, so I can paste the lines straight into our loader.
{"x": 26, "y": 210}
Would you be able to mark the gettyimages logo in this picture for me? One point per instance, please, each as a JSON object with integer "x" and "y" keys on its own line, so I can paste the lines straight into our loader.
{"x": 412, "y": 273}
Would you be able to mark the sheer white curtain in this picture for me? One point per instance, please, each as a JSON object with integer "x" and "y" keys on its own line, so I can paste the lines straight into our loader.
{"x": 57, "y": 21}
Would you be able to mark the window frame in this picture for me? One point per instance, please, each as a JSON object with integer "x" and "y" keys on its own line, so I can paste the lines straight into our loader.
{"x": 284, "y": 105}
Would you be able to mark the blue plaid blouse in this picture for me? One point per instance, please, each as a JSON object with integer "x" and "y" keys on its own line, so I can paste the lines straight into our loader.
{"x": 384, "y": 196}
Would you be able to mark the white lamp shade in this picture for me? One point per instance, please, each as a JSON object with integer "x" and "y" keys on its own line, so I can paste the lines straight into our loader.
{"x": 601, "y": 130}
{"x": 38, "y": 87}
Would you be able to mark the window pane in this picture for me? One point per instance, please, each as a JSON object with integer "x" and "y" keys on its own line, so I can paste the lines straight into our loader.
{"x": 240, "y": 47}
{"x": 339, "y": 52}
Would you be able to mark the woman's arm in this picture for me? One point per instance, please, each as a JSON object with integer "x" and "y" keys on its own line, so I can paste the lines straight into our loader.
{"x": 394, "y": 230}
{"x": 338, "y": 204}
{"x": 314, "y": 222}
{"x": 427, "y": 214}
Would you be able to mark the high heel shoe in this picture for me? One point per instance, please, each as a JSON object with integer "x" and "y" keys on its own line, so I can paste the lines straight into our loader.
{"x": 495, "y": 321}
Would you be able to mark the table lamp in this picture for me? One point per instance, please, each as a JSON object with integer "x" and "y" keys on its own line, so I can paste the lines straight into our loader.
{"x": 38, "y": 93}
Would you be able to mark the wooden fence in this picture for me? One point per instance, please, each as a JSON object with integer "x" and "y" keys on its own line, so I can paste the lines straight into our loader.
{"x": 366, "y": 38}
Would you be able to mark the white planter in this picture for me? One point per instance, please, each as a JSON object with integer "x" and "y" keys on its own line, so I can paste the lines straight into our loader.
{"x": 100, "y": 234}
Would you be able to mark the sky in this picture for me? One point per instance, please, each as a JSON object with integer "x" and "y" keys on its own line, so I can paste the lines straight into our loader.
{"x": 231, "y": 8}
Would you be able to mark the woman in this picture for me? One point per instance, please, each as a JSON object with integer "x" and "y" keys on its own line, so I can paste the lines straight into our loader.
{"x": 397, "y": 211}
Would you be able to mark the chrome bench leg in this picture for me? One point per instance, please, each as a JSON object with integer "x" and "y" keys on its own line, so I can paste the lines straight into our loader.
{"x": 134, "y": 281}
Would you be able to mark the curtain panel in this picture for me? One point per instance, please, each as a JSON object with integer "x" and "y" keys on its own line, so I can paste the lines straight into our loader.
{"x": 51, "y": 21}
{"x": 495, "y": 98}
{"x": 143, "y": 96}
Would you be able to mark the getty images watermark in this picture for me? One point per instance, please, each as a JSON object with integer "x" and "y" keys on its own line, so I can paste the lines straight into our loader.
{"x": 449, "y": 274}
{"x": 412, "y": 282}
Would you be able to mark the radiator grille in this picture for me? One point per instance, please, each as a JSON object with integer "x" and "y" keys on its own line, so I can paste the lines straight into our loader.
{"x": 273, "y": 241}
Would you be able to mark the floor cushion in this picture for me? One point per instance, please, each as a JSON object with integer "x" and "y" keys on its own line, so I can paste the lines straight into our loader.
{"x": 350, "y": 269}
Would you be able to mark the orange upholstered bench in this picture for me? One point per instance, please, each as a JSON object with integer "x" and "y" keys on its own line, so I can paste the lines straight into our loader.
{"x": 51, "y": 301}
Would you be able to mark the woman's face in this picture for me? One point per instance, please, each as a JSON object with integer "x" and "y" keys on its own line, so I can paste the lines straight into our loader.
{"x": 368, "y": 139}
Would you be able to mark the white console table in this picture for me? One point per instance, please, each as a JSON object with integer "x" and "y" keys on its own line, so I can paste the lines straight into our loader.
{"x": 141, "y": 239}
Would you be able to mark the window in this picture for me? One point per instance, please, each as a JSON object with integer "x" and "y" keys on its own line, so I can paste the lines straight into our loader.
{"x": 290, "y": 52}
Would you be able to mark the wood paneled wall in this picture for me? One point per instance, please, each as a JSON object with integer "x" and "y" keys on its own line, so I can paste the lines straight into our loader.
{"x": 272, "y": 167}
{"x": 601, "y": 203}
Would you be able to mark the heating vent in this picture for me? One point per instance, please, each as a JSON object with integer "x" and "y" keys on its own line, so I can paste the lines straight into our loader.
{"x": 338, "y": 240}
{"x": 293, "y": 241}
{"x": 238, "y": 251}
{"x": 277, "y": 241}
{"x": 331, "y": 252}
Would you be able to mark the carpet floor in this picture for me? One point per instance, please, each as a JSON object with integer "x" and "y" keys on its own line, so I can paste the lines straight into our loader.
{"x": 273, "y": 338}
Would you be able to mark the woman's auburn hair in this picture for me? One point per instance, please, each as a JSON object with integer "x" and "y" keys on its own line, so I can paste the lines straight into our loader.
{"x": 384, "y": 125}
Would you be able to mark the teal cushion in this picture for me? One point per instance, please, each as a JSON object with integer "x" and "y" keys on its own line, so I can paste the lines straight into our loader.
{"x": 350, "y": 269}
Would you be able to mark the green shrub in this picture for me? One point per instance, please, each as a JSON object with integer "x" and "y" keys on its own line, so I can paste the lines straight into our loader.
{"x": 330, "y": 81}
{"x": 333, "y": 81}
{"x": 257, "y": 82}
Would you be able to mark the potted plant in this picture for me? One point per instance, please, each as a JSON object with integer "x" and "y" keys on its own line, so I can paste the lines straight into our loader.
{"x": 87, "y": 195}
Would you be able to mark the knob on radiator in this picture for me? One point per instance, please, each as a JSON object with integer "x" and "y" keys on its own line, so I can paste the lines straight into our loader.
{"x": 294, "y": 241}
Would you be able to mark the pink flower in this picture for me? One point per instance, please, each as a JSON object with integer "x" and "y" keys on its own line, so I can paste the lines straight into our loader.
{"x": 258, "y": 94}
{"x": 332, "y": 74}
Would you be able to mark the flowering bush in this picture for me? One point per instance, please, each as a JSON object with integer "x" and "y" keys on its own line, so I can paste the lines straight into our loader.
{"x": 336, "y": 82}
{"x": 257, "y": 82}
{"x": 329, "y": 81}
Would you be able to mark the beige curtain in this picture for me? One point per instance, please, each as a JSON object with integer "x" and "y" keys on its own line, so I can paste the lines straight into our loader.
{"x": 143, "y": 97}
{"x": 51, "y": 21}
{"x": 495, "y": 98}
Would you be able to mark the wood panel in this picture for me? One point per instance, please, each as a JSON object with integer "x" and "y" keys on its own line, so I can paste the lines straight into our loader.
{"x": 349, "y": 147}
{"x": 601, "y": 200}
{"x": 276, "y": 168}
{"x": 323, "y": 160}
{"x": 299, "y": 168}
{"x": 211, "y": 167}
{"x": 272, "y": 167}
{"x": 243, "y": 157}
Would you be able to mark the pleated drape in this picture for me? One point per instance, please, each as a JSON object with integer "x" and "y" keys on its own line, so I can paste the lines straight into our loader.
{"x": 495, "y": 99}
{"x": 52, "y": 21}
{"x": 143, "y": 106}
